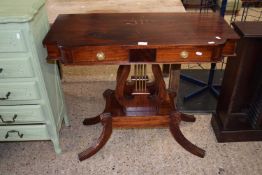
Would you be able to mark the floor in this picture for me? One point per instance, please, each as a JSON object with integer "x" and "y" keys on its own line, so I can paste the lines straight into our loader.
{"x": 195, "y": 105}
{"x": 128, "y": 152}
{"x": 56, "y": 7}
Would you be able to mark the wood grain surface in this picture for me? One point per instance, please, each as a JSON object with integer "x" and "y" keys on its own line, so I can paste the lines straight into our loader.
{"x": 76, "y": 38}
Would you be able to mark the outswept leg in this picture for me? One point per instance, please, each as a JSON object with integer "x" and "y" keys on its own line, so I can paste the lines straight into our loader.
{"x": 187, "y": 117}
{"x": 97, "y": 119}
{"x": 175, "y": 119}
{"x": 92, "y": 121}
{"x": 106, "y": 120}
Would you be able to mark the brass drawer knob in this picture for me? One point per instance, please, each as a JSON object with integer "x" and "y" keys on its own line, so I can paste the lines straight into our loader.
{"x": 184, "y": 54}
{"x": 100, "y": 56}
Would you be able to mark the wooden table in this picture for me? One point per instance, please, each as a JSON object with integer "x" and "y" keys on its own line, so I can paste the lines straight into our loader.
{"x": 140, "y": 40}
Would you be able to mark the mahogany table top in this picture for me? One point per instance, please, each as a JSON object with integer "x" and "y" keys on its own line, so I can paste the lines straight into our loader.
{"x": 136, "y": 30}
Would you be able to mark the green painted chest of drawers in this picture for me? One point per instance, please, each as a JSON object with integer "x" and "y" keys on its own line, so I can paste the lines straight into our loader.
{"x": 31, "y": 99}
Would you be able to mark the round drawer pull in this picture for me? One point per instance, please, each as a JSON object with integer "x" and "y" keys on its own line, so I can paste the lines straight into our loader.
{"x": 184, "y": 54}
{"x": 100, "y": 56}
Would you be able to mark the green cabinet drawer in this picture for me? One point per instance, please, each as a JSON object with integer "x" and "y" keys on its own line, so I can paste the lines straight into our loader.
{"x": 23, "y": 114}
{"x": 23, "y": 133}
{"x": 12, "y": 41}
{"x": 19, "y": 91}
{"x": 16, "y": 68}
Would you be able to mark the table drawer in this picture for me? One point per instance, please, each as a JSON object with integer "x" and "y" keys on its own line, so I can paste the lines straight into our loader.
{"x": 23, "y": 132}
{"x": 15, "y": 68}
{"x": 189, "y": 54}
{"x": 21, "y": 114}
{"x": 12, "y": 41}
{"x": 19, "y": 91}
{"x": 121, "y": 55}
{"x": 96, "y": 55}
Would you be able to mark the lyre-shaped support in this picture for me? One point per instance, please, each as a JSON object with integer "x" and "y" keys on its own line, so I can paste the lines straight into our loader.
{"x": 141, "y": 96}
{"x": 122, "y": 75}
{"x": 140, "y": 79}
{"x": 159, "y": 82}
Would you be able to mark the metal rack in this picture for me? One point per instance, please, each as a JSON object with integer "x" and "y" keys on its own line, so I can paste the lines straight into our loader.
{"x": 202, "y": 5}
{"x": 251, "y": 10}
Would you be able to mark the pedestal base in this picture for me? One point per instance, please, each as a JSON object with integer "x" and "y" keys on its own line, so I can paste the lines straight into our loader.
{"x": 114, "y": 117}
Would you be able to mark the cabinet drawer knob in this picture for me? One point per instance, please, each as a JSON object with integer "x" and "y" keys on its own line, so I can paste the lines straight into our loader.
{"x": 100, "y": 56}
{"x": 6, "y": 96}
{"x": 1, "y": 70}
{"x": 184, "y": 54}
{"x": 10, "y": 121}
{"x": 14, "y": 131}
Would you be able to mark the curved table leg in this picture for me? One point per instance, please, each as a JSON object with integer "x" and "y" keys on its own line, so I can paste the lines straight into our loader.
{"x": 187, "y": 117}
{"x": 97, "y": 119}
{"x": 106, "y": 120}
{"x": 92, "y": 121}
{"x": 175, "y": 119}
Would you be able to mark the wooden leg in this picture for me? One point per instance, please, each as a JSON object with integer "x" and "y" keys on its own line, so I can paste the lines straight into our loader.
{"x": 175, "y": 119}
{"x": 106, "y": 120}
{"x": 174, "y": 77}
{"x": 92, "y": 121}
{"x": 187, "y": 117}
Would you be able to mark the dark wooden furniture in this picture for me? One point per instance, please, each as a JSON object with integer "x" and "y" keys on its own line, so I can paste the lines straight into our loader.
{"x": 239, "y": 111}
{"x": 139, "y": 39}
